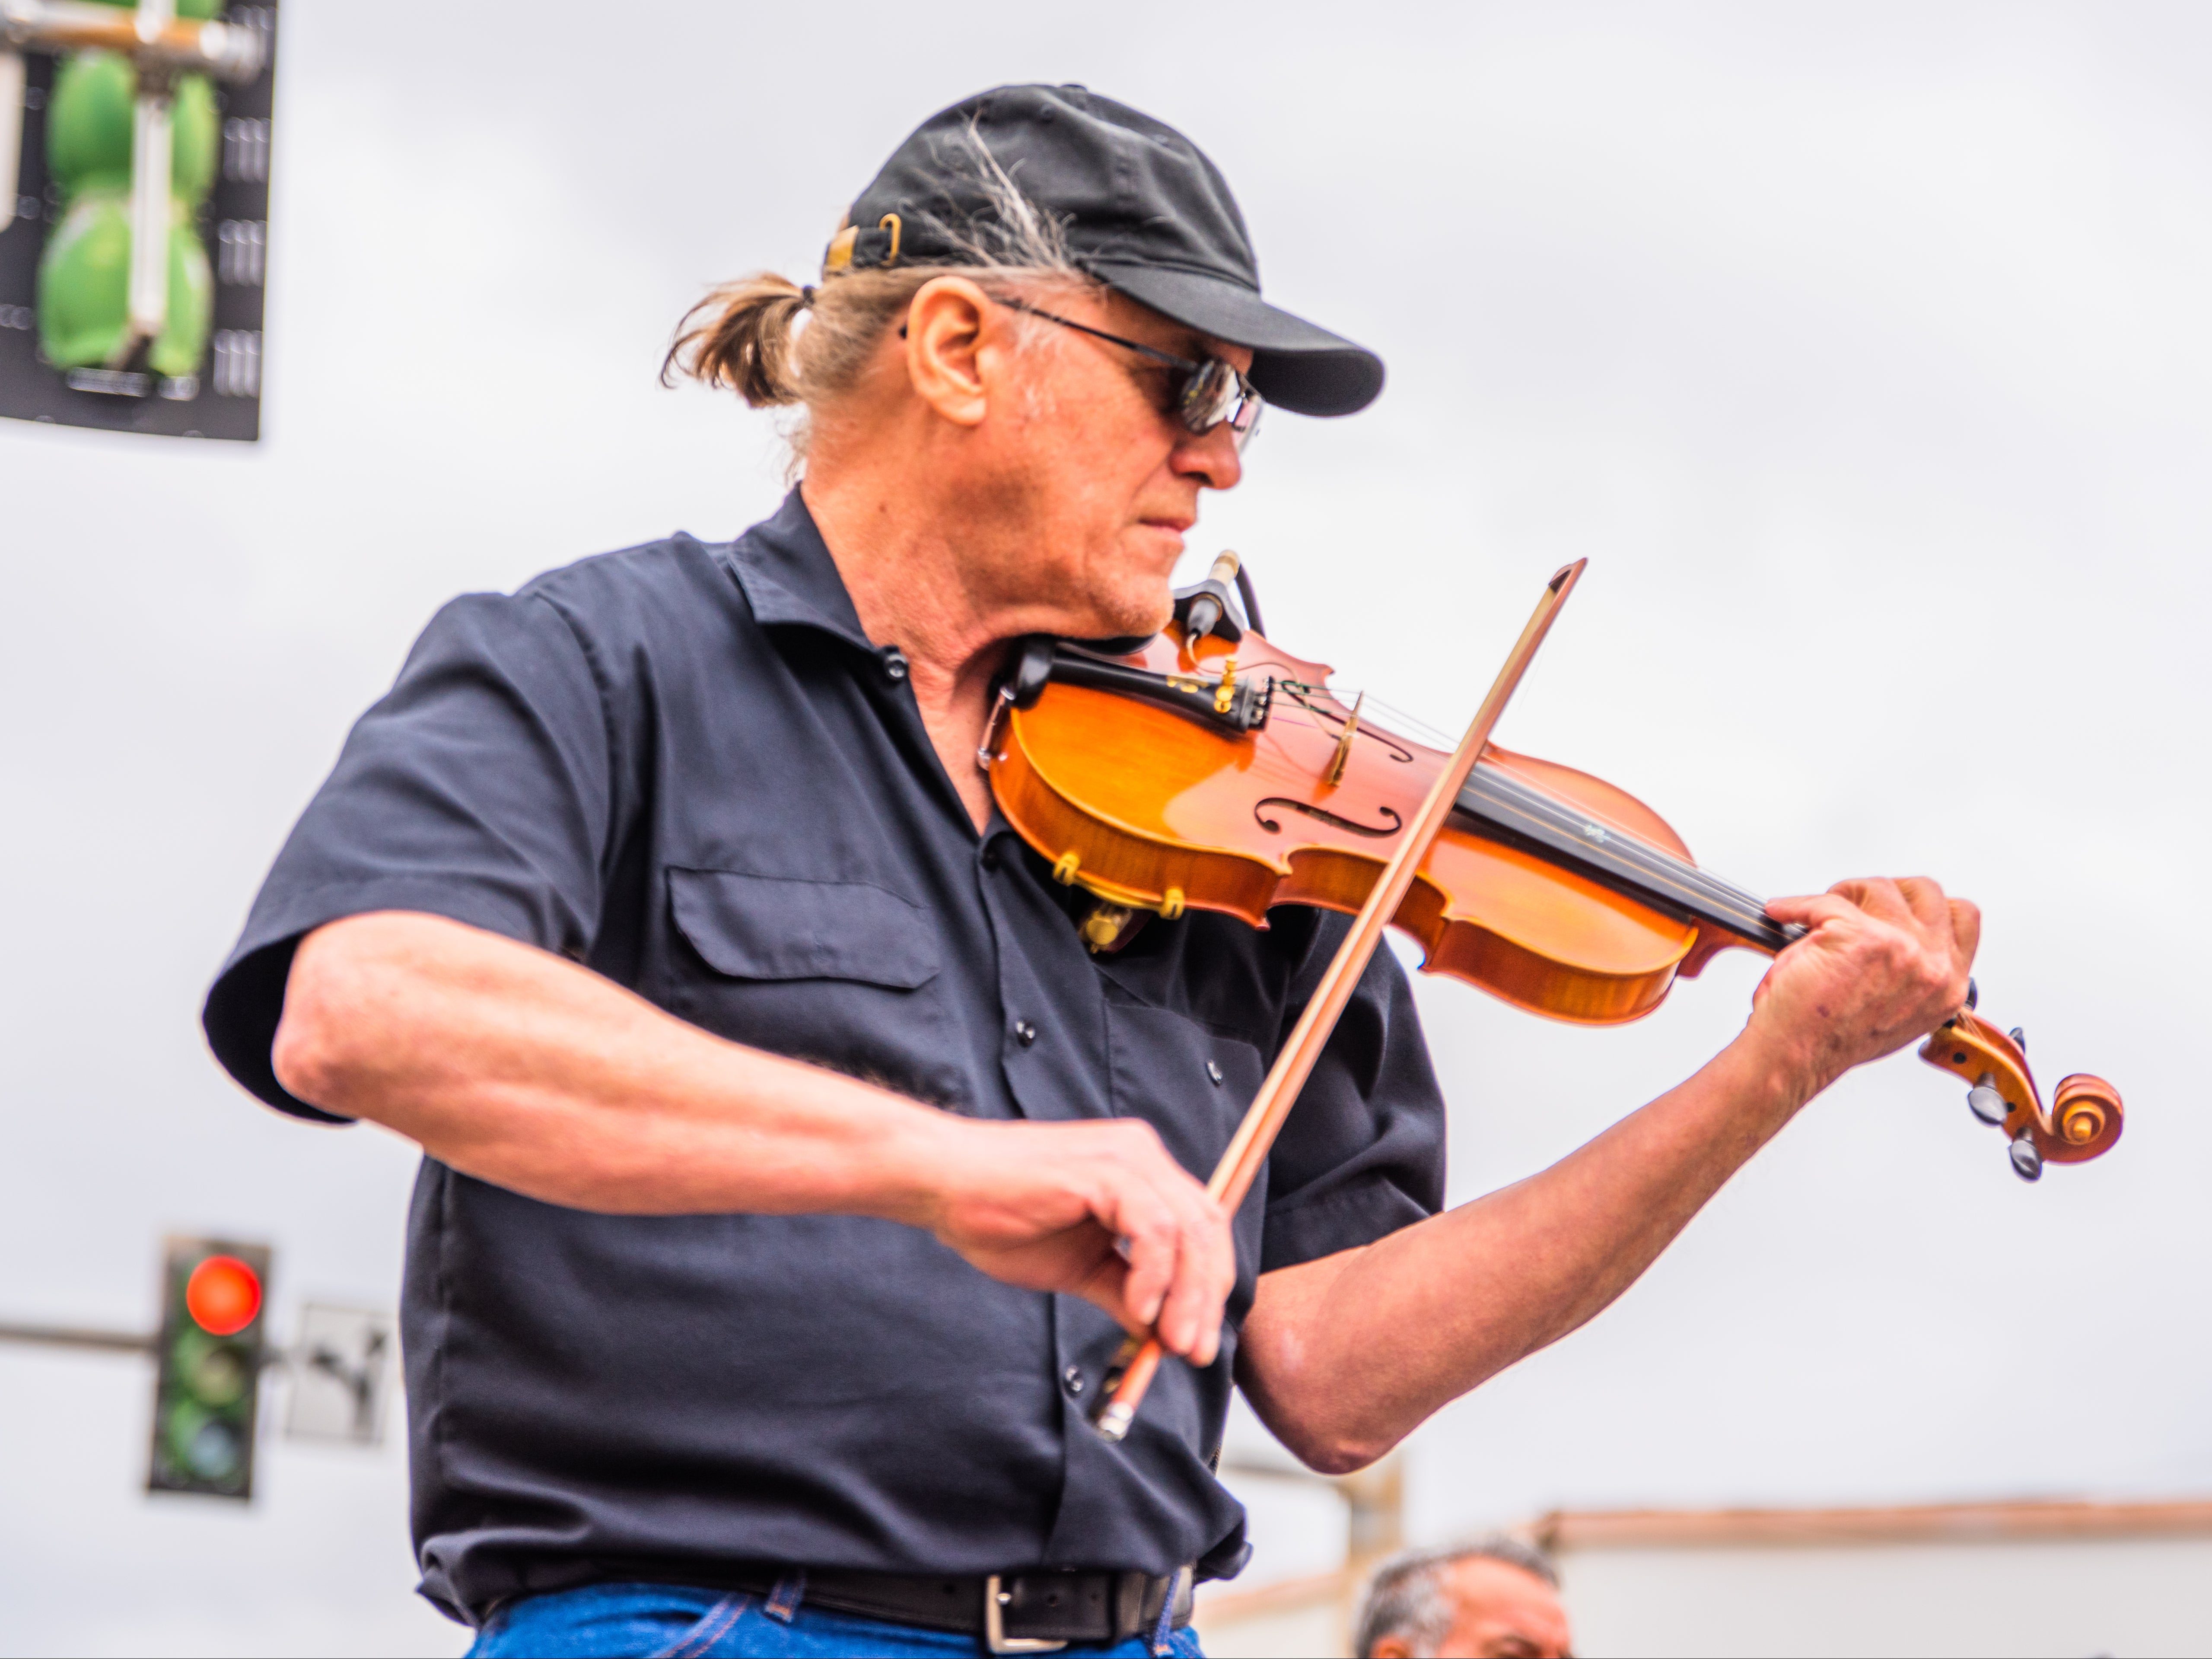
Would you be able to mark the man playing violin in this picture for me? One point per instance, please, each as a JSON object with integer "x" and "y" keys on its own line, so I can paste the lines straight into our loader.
{"x": 793, "y": 1169}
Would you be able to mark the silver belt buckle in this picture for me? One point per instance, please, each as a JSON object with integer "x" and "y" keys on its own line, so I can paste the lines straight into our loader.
{"x": 995, "y": 1624}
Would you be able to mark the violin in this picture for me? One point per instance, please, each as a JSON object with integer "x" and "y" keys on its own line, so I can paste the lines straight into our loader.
{"x": 1207, "y": 769}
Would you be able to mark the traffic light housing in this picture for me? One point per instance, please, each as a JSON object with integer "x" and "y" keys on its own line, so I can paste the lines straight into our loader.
{"x": 210, "y": 1355}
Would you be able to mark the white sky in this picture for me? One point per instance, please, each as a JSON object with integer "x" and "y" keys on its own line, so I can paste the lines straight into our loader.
{"x": 1863, "y": 349}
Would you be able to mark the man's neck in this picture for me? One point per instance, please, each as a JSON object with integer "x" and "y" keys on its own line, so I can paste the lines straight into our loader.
{"x": 905, "y": 577}
{"x": 910, "y": 588}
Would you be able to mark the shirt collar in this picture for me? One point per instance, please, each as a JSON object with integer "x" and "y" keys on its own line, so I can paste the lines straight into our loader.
{"x": 788, "y": 577}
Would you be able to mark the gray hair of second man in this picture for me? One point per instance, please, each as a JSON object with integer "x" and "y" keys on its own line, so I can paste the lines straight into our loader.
{"x": 1406, "y": 1597}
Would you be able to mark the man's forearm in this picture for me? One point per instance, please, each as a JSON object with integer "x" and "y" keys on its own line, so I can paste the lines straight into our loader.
{"x": 514, "y": 1065}
{"x": 535, "y": 1074}
{"x": 1344, "y": 1355}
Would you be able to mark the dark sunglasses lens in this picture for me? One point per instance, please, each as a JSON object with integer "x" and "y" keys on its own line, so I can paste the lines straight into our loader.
{"x": 1208, "y": 395}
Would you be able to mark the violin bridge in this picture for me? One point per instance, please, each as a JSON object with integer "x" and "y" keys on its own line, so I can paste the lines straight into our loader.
{"x": 1335, "y": 775}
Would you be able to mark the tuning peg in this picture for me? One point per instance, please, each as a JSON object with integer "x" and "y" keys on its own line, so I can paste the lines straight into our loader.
{"x": 2027, "y": 1161}
{"x": 2019, "y": 1039}
{"x": 1985, "y": 1102}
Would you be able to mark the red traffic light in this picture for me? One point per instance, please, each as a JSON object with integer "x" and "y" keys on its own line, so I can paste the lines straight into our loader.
{"x": 222, "y": 1295}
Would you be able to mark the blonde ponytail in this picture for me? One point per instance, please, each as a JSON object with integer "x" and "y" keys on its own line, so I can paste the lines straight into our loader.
{"x": 739, "y": 336}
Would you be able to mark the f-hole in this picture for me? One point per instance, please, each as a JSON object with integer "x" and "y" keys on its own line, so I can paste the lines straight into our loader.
{"x": 1273, "y": 826}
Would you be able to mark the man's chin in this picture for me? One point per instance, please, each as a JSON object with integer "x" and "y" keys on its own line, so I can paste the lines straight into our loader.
{"x": 1138, "y": 619}
{"x": 1128, "y": 600}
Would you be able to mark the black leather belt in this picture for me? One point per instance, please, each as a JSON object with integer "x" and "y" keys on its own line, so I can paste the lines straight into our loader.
{"x": 1013, "y": 1612}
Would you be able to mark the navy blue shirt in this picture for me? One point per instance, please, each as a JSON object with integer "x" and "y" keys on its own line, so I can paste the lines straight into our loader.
{"x": 686, "y": 767}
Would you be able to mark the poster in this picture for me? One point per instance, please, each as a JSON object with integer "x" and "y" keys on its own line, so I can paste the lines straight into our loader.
{"x": 88, "y": 337}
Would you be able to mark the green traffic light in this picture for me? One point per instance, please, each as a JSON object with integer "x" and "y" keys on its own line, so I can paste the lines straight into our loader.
{"x": 206, "y": 1447}
{"x": 213, "y": 1373}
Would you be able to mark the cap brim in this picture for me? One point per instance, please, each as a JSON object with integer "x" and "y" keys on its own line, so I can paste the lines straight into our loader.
{"x": 1295, "y": 365}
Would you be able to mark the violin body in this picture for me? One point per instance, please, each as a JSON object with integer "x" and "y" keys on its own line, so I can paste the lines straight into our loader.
{"x": 1149, "y": 809}
{"x": 1214, "y": 771}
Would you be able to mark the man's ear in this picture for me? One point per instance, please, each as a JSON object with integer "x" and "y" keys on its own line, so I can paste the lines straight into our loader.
{"x": 1390, "y": 1647}
{"x": 946, "y": 325}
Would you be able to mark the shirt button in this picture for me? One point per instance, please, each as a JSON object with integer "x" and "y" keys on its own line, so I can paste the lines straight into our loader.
{"x": 1073, "y": 1378}
{"x": 991, "y": 856}
{"x": 1213, "y": 1073}
{"x": 894, "y": 662}
{"x": 1025, "y": 1033}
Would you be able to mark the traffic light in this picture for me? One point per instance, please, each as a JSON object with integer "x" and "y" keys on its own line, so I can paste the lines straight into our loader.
{"x": 210, "y": 1354}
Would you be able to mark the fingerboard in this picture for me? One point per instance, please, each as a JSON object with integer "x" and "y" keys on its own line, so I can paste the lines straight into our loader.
{"x": 1500, "y": 806}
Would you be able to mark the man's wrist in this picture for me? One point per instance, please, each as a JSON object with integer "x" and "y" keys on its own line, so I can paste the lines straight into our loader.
{"x": 1771, "y": 1067}
{"x": 915, "y": 1166}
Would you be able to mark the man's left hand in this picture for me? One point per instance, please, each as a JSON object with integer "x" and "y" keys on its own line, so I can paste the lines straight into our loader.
{"x": 1885, "y": 963}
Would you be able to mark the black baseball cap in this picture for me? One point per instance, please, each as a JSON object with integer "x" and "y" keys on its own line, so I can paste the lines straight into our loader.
{"x": 1138, "y": 207}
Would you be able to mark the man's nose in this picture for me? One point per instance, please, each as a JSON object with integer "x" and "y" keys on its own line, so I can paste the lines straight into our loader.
{"x": 1211, "y": 458}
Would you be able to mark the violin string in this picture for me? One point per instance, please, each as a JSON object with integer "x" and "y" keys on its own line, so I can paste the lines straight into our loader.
{"x": 1564, "y": 817}
{"x": 1403, "y": 721}
{"x": 1626, "y": 852}
{"x": 1628, "y": 855}
{"x": 1335, "y": 720}
{"x": 1568, "y": 818}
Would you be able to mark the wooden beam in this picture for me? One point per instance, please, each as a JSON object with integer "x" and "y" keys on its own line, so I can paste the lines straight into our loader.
{"x": 1568, "y": 1530}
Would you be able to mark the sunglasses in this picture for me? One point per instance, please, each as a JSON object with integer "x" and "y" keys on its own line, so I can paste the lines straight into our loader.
{"x": 1210, "y": 392}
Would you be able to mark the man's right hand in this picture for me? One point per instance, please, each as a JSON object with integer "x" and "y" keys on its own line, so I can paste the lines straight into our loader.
{"x": 519, "y": 1067}
{"x": 1096, "y": 1210}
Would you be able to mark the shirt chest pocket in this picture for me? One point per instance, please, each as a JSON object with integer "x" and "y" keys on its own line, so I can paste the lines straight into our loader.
{"x": 842, "y": 974}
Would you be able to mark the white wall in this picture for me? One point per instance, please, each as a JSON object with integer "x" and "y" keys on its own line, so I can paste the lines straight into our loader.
{"x": 2131, "y": 1596}
{"x": 1315, "y": 1628}
{"x": 1863, "y": 351}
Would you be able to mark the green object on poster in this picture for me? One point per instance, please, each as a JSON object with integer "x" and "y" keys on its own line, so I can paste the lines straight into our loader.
{"x": 84, "y": 275}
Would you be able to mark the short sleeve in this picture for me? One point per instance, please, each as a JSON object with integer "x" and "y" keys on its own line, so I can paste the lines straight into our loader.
{"x": 1362, "y": 1154}
{"x": 478, "y": 789}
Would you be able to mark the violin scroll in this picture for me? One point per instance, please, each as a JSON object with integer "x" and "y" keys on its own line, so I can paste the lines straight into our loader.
{"x": 2084, "y": 1117}
{"x": 2088, "y": 1113}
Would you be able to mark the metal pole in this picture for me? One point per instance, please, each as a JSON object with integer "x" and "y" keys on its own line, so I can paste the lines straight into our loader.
{"x": 70, "y": 1336}
{"x": 150, "y": 209}
{"x": 66, "y": 1336}
{"x": 11, "y": 130}
{"x": 229, "y": 51}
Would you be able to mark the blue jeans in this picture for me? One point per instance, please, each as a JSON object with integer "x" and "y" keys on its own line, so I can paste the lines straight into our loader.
{"x": 680, "y": 1622}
